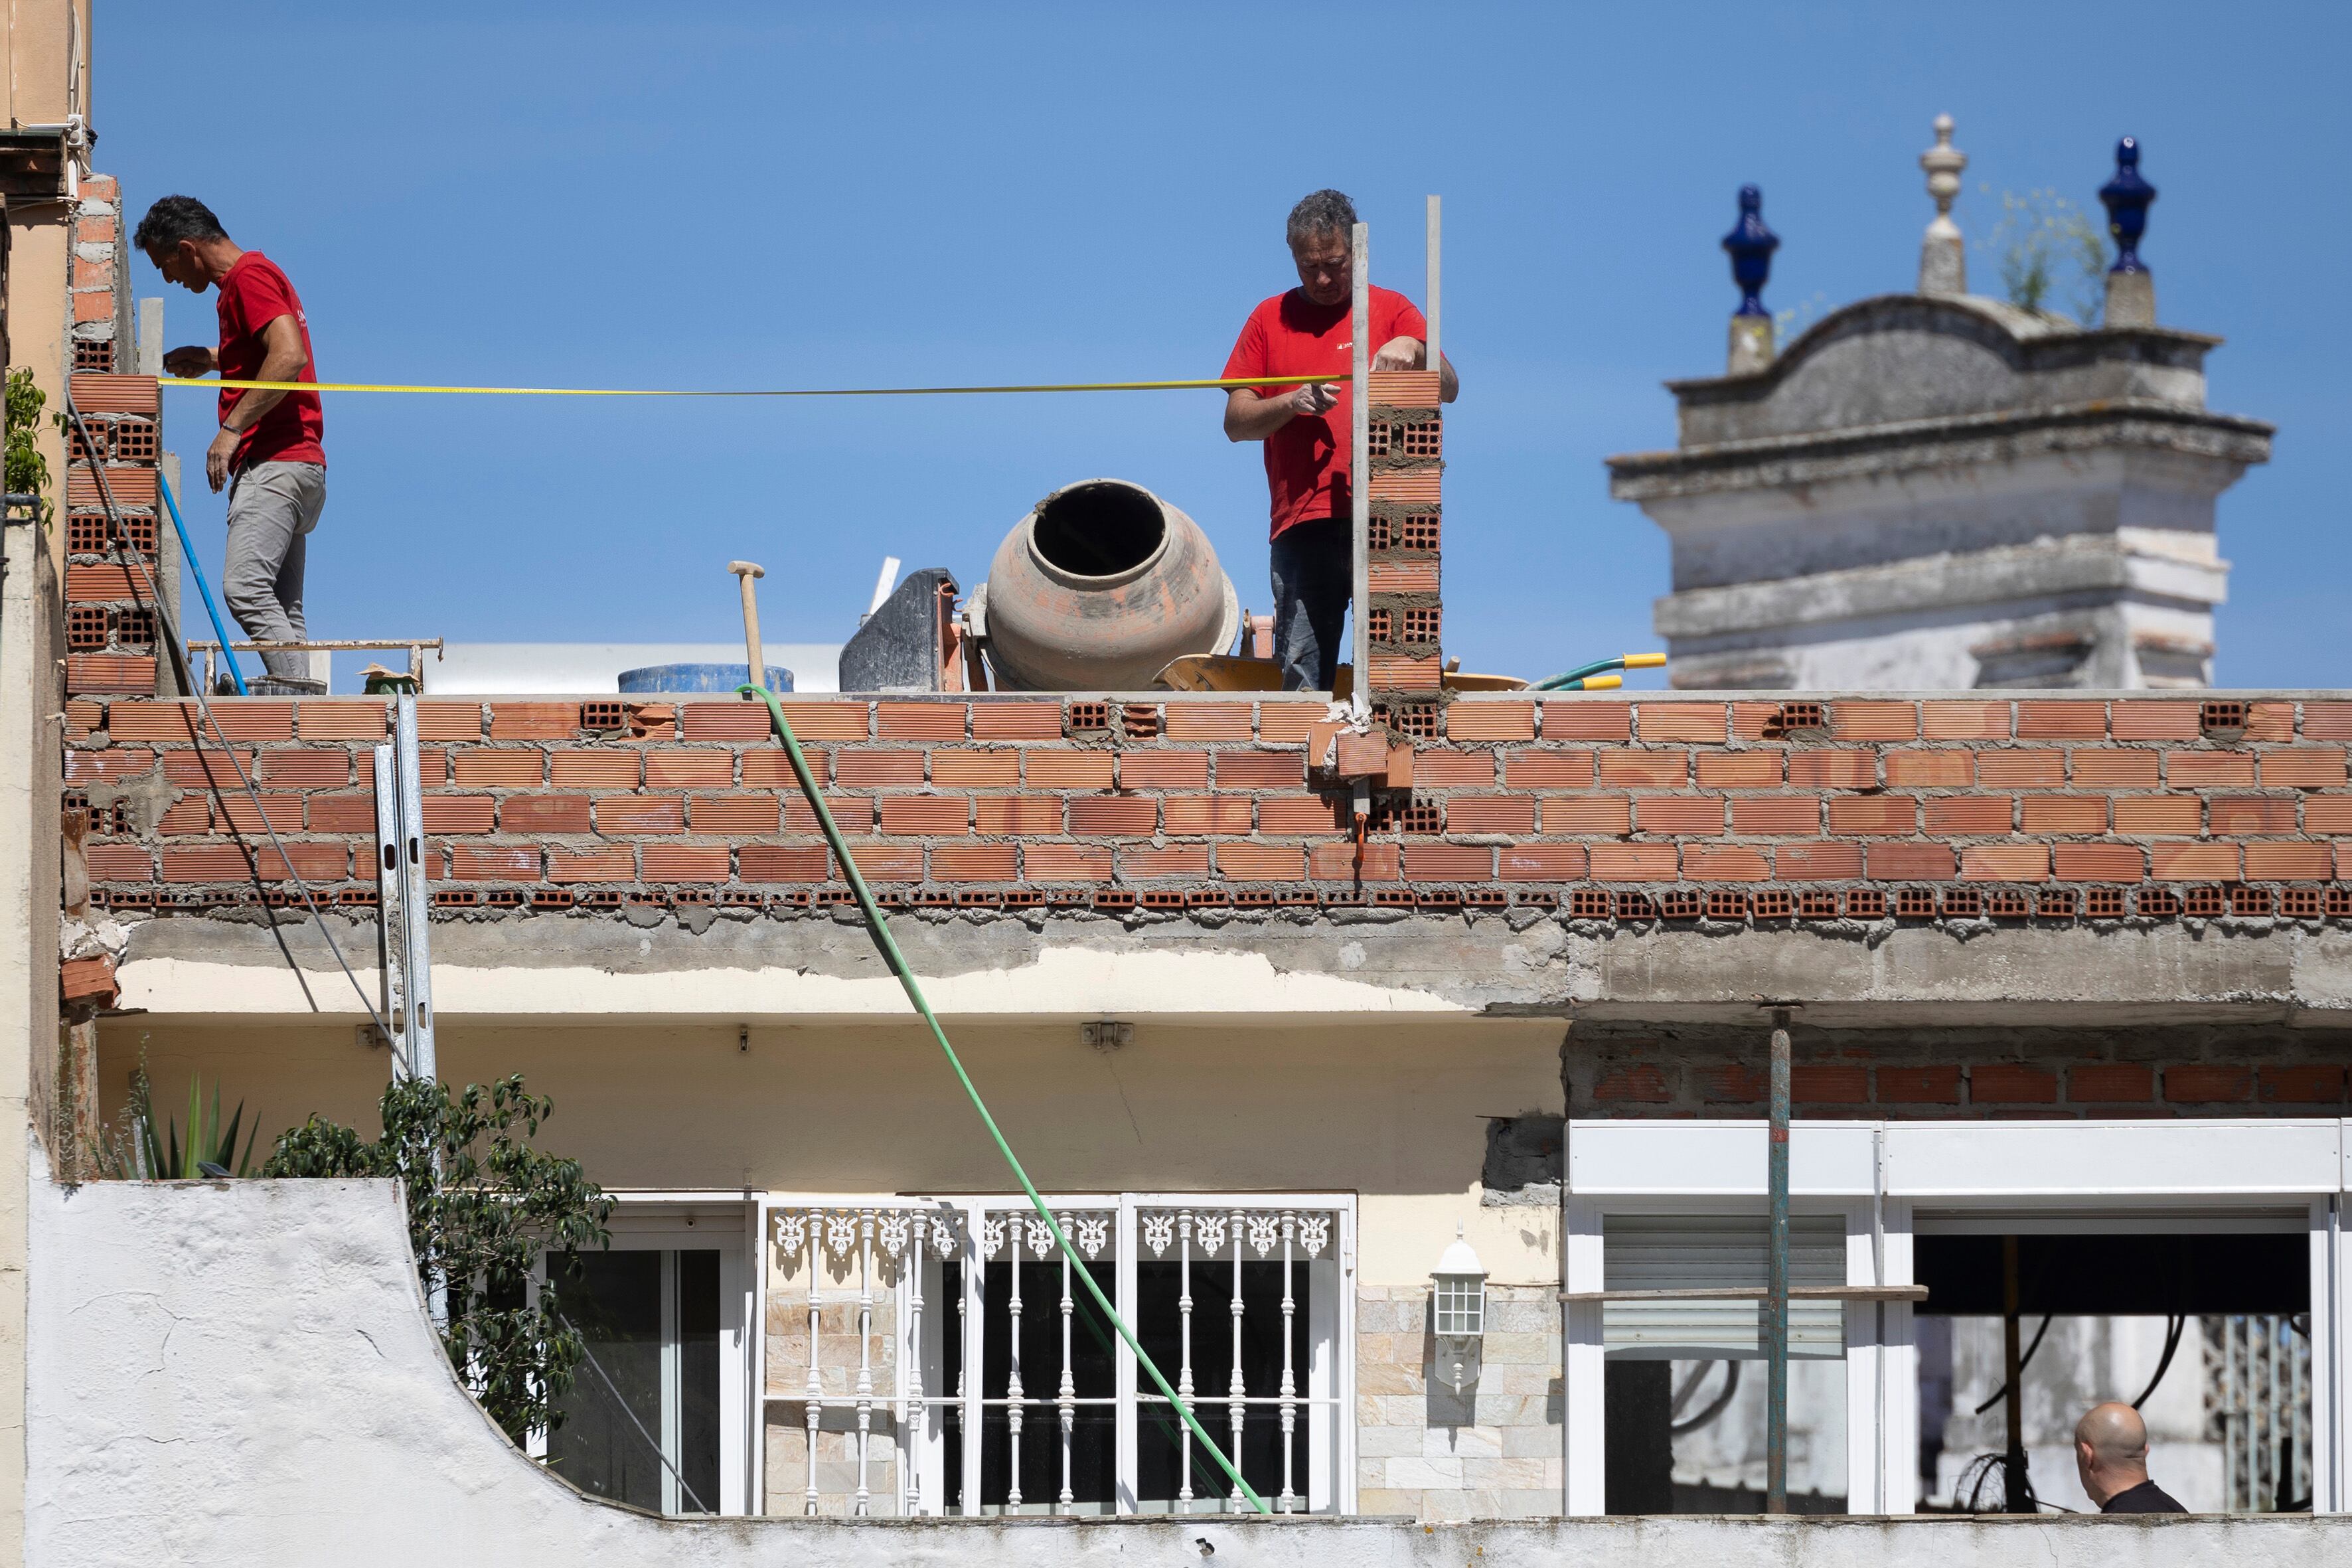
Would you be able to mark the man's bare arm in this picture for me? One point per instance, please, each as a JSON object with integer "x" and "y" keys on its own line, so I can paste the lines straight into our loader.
{"x": 282, "y": 359}
{"x": 1252, "y": 417}
{"x": 1412, "y": 353}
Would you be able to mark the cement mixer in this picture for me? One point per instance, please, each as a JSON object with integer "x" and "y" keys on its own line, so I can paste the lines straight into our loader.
{"x": 1097, "y": 589}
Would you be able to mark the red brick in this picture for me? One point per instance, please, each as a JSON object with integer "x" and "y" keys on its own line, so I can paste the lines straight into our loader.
{"x": 1016, "y": 721}
{"x": 1665, "y": 721}
{"x": 1931, "y": 770}
{"x": 1776, "y": 812}
{"x": 1198, "y": 816}
{"x": 536, "y": 813}
{"x": 88, "y": 672}
{"x": 1634, "y": 863}
{"x": 888, "y": 862}
{"x": 2006, "y": 1083}
{"x": 193, "y": 812}
{"x": 2195, "y": 862}
{"x": 113, "y": 764}
{"x": 1960, "y": 814}
{"x": 1065, "y": 863}
{"x": 685, "y": 862}
{"x": 2209, "y": 770}
{"x": 2099, "y": 862}
{"x": 1546, "y": 770}
{"x": 1825, "y": 1083}
{"x": 774, "y": 770}
{"x": 782, "y": 863}
{"x": 1643, "y": 1085}
{"x": 1297, "y": 814}
{"x": 1582, "y": 719}
{"x": 232, "y": 717}
{"x": 307, "y": 768}
{"x": 917, "y": 720}
{"x": 1483, "y": 720}
{"x": 2115, "y": 767}
{"x": 1874, "y": 814}
{"x": 2112, "y": 1083}
{"x": 1400, "y": 576}
{"x": 850, "y": 813}
{"x": 1448, "y": 862}
{"x": 750, "y": 722}
{"x": 446, "y": 720}
{"x": 323, "y": 721}
{"x": 638, "y": 814}
{"x": 2145, "y": 815}
{"x": 730, "y": 813}
{"x": 353, "y": 814}
{"x": 1067, "y": 768}
{"x": 1018, "y": 813}
{"x": 667, "y": 768}
{"x": 1909, "y": 862}
{"x": 2005, "y": 863}
{"x": 1543, "y": 862}
{"x": 1490, "y": 814}
{"x": 1819, "y": 862}
{"x": 1964, "y": 720}
{"x": 1286, "y": 723}
{"x": 512, "y": 720}
{"x": 1645, "y": 770}
{"x": 1436, "y": 768}
{"x": 1189, "y": 862}
{"x": 284, "y": 811}
{"x": 2306, "y": 767}
{"x": 617, "y": 864}
{"x": 1208, "y": 722}
{"x": 2036, "y": 768}
{"x": 1163, "y": 769}
{"x": 925, "y": 814}
{"x": 810, "y": 721}
{"x": 2327, "y": 720}
{"x": 1834, "y": 769}
{"x": 232, "y": 863}
{"x": 495, "y": 863}
{"x": 1336, "y": 862}
{"x": 1724, "y": 863}
{"x": 2064, "y": 719}
{"x": 615, "y": 769}
{"x": 1241, "y": 862}
{"x": 2283, "y": 860}
{"x": 107, "y": 582}
{"x": 981, "y": 770}
{"x": 2270, "y": 721}
{"x": 447, "y": 813}
{"x": 2066, "y": 813}
{"x": 872, "y": 769}
{"x": 119, "y": 863}
{"x": 2192, "y": 1083}
{"x": 2322, "y": 814}
{"x": 2251, "y": 814}
{"x": 2152, "y": 721}
{"x": 1739, "y": 770}
{"x": 1678, "y": 813}
{"x": 2310, "y": 1083}
{"x": 1736, "y": 1083}
{"x": 1919, "y": 1086}
{"x": 1247, "y": 770}
{"x": 975, "y": 863}
{"x": 1129, "y": 816}
{"x": 1612, "y": 814}
{"x": 208, "y": 766}
{"x": 1874, "y": 721}
{"x": 511, "y": 769}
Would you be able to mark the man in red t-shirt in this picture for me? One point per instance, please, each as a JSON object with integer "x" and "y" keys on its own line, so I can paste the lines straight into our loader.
{"x": 268, "y": 451}
{"x": 1308, "y": 429}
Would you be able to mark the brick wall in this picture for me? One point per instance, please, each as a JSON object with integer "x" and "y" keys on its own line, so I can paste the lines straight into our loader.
{"x": 1402, "y": 627}
{"x": 1668, "y": 809}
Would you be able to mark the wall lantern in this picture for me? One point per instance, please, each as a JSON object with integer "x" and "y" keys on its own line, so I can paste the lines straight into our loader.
{"x": 1460, "y": 1322}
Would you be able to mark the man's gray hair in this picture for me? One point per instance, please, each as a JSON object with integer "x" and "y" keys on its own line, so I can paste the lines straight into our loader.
{"x": 1324, "y": 212}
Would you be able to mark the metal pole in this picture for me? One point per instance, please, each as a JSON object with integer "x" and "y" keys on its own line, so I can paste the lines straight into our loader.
{"x": 1434, "y": 361}
{"x": 2018, "y": 1498}
{"x": 1360, "y": 470}
{"x": 1775, "y": 1281}
{"x": 418, "y": 909}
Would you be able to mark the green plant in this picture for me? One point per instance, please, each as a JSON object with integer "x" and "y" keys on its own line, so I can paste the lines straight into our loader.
{"x": 482, "y": 1205}
{"x": 2050, "y": 254}
{"x": 143, "y": 1150}
{"x": 27, "y": 471}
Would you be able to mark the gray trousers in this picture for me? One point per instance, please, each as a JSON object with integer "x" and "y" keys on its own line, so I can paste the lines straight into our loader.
{"x": 272, "y": 508}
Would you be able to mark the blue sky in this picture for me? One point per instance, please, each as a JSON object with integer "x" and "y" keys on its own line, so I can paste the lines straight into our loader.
{"x": 764, "y": 195}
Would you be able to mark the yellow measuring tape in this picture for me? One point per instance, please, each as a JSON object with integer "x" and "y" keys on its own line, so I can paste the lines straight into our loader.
{"x": 1226, "y": 382}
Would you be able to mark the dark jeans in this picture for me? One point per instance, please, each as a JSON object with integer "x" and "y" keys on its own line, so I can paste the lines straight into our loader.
{"x": 1314, "y": 572}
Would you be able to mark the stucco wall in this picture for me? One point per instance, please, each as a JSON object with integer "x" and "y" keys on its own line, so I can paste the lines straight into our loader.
{"x": 242, "y": 1372}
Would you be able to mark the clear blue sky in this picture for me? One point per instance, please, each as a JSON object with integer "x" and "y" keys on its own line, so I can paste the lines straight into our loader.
{"x": 756, "y": 195}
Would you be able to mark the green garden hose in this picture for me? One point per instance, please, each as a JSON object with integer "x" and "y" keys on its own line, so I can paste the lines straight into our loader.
{"x": 898, "y": 962}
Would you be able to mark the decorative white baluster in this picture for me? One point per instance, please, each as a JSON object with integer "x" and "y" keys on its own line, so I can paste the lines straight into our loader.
{"x": 1288, "y": 1500}
{"x": 910, "y": 1409}
{"x": 815, "y": 1390}
{"x": 1066, "y": 1397}
{"x": 1013, "y": 1382}
{"x": 865, "y": 1356}
{"x": 1184, "y": 1377}
{"x": 1238, "y": 1391}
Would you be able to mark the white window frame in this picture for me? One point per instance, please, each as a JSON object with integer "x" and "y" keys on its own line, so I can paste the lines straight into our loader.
{"x": 1895, "y": 1180}
{"x": 700, "y": 1221}
{"x": 1330, "y": 1384}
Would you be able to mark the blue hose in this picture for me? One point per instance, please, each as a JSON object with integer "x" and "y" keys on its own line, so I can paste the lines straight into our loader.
{"x": 196, "y": 569}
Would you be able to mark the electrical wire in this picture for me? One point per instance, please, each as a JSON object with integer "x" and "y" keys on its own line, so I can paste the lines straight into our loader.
{"x": 602, "y": 1376}
{"x": 164, "y": 629}
{"x": 2164, "y": 1363}
{"x": 1999, "y": 1394}
{"x": 880, "y": 930}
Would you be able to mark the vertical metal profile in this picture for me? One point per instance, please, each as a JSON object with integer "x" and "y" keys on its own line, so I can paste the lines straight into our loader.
{"x": 417, "y": 911}
{"x": 1360, "y": 488}
{"x": 1776, "y": 1280}
{"x": 391, "y": 910}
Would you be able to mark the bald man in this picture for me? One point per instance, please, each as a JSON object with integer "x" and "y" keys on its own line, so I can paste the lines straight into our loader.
{"x": 2111, "y": 1456}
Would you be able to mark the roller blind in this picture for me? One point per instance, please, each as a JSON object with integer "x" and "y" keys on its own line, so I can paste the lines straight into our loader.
{"x": 1664, "y": 1252}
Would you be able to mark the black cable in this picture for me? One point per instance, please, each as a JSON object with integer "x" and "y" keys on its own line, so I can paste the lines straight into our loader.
{"x": 1998, "y": 1393}
{"x": 2164, "y": 1363}
{"x": 1722, "y": 1402}
{"x": 700, "y": 1507}
{"x": 164, "y": 627}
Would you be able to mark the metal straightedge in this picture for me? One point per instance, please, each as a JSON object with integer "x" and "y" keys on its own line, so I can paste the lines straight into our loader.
{"x": 404, "y": 926}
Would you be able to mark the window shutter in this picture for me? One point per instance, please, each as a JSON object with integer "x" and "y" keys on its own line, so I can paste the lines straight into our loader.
{"x": 1664, "y": 1252}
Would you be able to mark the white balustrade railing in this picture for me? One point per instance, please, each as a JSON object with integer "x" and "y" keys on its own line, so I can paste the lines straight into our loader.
{"x": 958, "y": 1305}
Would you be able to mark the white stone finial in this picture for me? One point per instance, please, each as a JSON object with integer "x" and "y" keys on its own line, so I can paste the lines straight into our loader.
{"x": 1943, "y": 255}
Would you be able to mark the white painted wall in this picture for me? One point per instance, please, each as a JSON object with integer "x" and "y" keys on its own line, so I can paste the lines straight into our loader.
{"x": 241, "y": 1371}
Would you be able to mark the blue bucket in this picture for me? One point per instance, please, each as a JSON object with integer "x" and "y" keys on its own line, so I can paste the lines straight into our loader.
{"x": 697, "y": 678}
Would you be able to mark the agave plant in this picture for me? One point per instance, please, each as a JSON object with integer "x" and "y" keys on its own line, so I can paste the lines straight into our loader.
{"x": 155, "y": 1153}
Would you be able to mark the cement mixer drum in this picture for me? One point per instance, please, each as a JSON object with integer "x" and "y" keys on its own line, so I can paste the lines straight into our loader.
{"x": 1098, "y": 588}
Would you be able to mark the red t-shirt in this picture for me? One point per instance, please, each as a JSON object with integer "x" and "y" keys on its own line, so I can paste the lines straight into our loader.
{"x": 1307, "y": 460}
{"x": 254, "y": 294}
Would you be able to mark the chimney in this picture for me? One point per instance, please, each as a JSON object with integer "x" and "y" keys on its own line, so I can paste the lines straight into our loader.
{"x": 1751, "y": 246}
{"x": 2131, "y": 287}
{"x": 1943, "y": 256}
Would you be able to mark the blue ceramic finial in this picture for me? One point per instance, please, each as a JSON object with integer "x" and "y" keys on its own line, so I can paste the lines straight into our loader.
{"x": 2125, "y": 198}
{"x": 1751, "y": 246}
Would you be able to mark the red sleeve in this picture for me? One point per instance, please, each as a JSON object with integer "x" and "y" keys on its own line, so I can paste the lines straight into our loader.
{"x": 263, "y": 295}
{"x": 1248, "y": 358}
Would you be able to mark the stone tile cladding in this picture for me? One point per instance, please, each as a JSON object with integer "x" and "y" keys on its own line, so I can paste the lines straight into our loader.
{"x": 1668, "y": 808}
{"x": 1494, "y": 1450}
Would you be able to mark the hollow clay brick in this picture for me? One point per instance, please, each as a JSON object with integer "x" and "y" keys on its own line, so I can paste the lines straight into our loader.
{"x": 1610, "y": 814}
{"x": 2037, "y": 768}
{"x": 2111, "y": 1083}
{"x": 1547, "y": 770}
{"x": 2099, "y": 862}
{"x": 1241, "y": 862}
{"x": 1724, "y": 863}
{"x": 1254, "y": 770}
{"x": 2306, "y": 767}
{"x": 511, "y": 768}
{"x": 1065, "y": 863}
{"x": 2062, "y": 721}
{"x": 2147, "y": 816}
{"x": 1299, "y": 814}
{"x": 876, "y": 770}
{"x": 1448, "y": 862}
{"x": 2191, "y": 1083}
{"x": 1286, "y": 723}
{"x": 907, "y": 814}
{"x": 783, "y": 863}
{"x": 1874, "y": 721}
{"x": 685, "y": 862}
{"x": 851, "y": 814}
{"x": 1960, "y": 814}
{"x": 1634, "y": 862}
{"x": 1654, "y": 720}
{"x": 672, "y": 768}
{"x": 1951, "y": 769}
{"x": 2009, "y": 1083}
{"x": 495, "y": 863}
{"x": 1072, "y": 768}
{"x": 1874, "y": 814}
{"x": 1908, "y": 862}
{"x": 2005, "y": 863}
{"x": 313, "y": 767}
{"x": 1336, "y": 863}
{"x": 1163, "y": 769}
{"x": 1775, "y": 814}
{"x": 511, "y": 721}
{"x": 1022, "y": 814}
{"x": 1122, "y": 815}
{"x": 1016, "y": 721}
{"x": 888, "y": 862}
{"x": 975, "y": 863}
{"x": 458, "y": 813}
{"x": 634, "y": 814}
{"x": 1678, "y": 813}
{"x": 1543, "y": 862}
{"x": 2251, "y": 814}
{"x": 731, "y": 813}
{"x": 540, "y": 814}
{"x": 1199, "y": 815}
{"x": 1964, "y": 720}
{"x": 1189, "y": 862}
{"x": 917, "y": 720}
{"x": 618, "y": 864}
{"x": 957, "y": 768}
{"x": 2065, "y": 814}
{"x": 1208, "y": 721}
{"x": 1843, "y": 767}
{"x": 317, "y": 720}
{"x": 445, "y": 721}
{"x": 2278, "y": 860}
{"x": 1585, "y": 718}
{"x": 2194, "y": 862}
{"x": 2209, "y": 770}
{"x": 1740, "y": 770}
{"x": 1482, "y": 721}
{"x": 1490, "y": 814}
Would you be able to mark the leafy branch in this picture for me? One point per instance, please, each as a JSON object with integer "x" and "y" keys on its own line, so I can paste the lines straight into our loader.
{"x": 2050, "y": 254}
